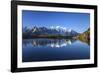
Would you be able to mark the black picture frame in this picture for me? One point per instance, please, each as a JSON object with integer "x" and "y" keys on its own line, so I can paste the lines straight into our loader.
{"x": 14, "y": 33}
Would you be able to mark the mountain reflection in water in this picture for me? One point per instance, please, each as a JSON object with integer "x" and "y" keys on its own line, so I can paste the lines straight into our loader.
{"x": 48, "y": 42}
{"x": 45, "y": 49}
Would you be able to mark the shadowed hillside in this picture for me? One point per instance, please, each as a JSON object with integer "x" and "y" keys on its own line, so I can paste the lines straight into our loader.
{"x": 85, "y": 36}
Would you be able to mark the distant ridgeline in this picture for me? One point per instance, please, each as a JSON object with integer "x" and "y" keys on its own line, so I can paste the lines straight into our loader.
{"x": 43, "y": 32}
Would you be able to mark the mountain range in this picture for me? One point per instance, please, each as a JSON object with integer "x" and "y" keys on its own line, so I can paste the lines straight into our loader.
{"x": 44, "y": 31}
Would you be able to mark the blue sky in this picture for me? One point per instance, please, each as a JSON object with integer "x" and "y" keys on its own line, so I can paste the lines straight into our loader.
{"x": 79, "y": 22}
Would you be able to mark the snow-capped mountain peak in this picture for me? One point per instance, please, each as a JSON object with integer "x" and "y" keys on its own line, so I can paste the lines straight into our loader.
{"x": 58, "y": 28}
{"x": 69, "y": 30}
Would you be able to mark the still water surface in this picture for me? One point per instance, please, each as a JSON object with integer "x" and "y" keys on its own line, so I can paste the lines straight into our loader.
{"x": 54, "y": 49}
